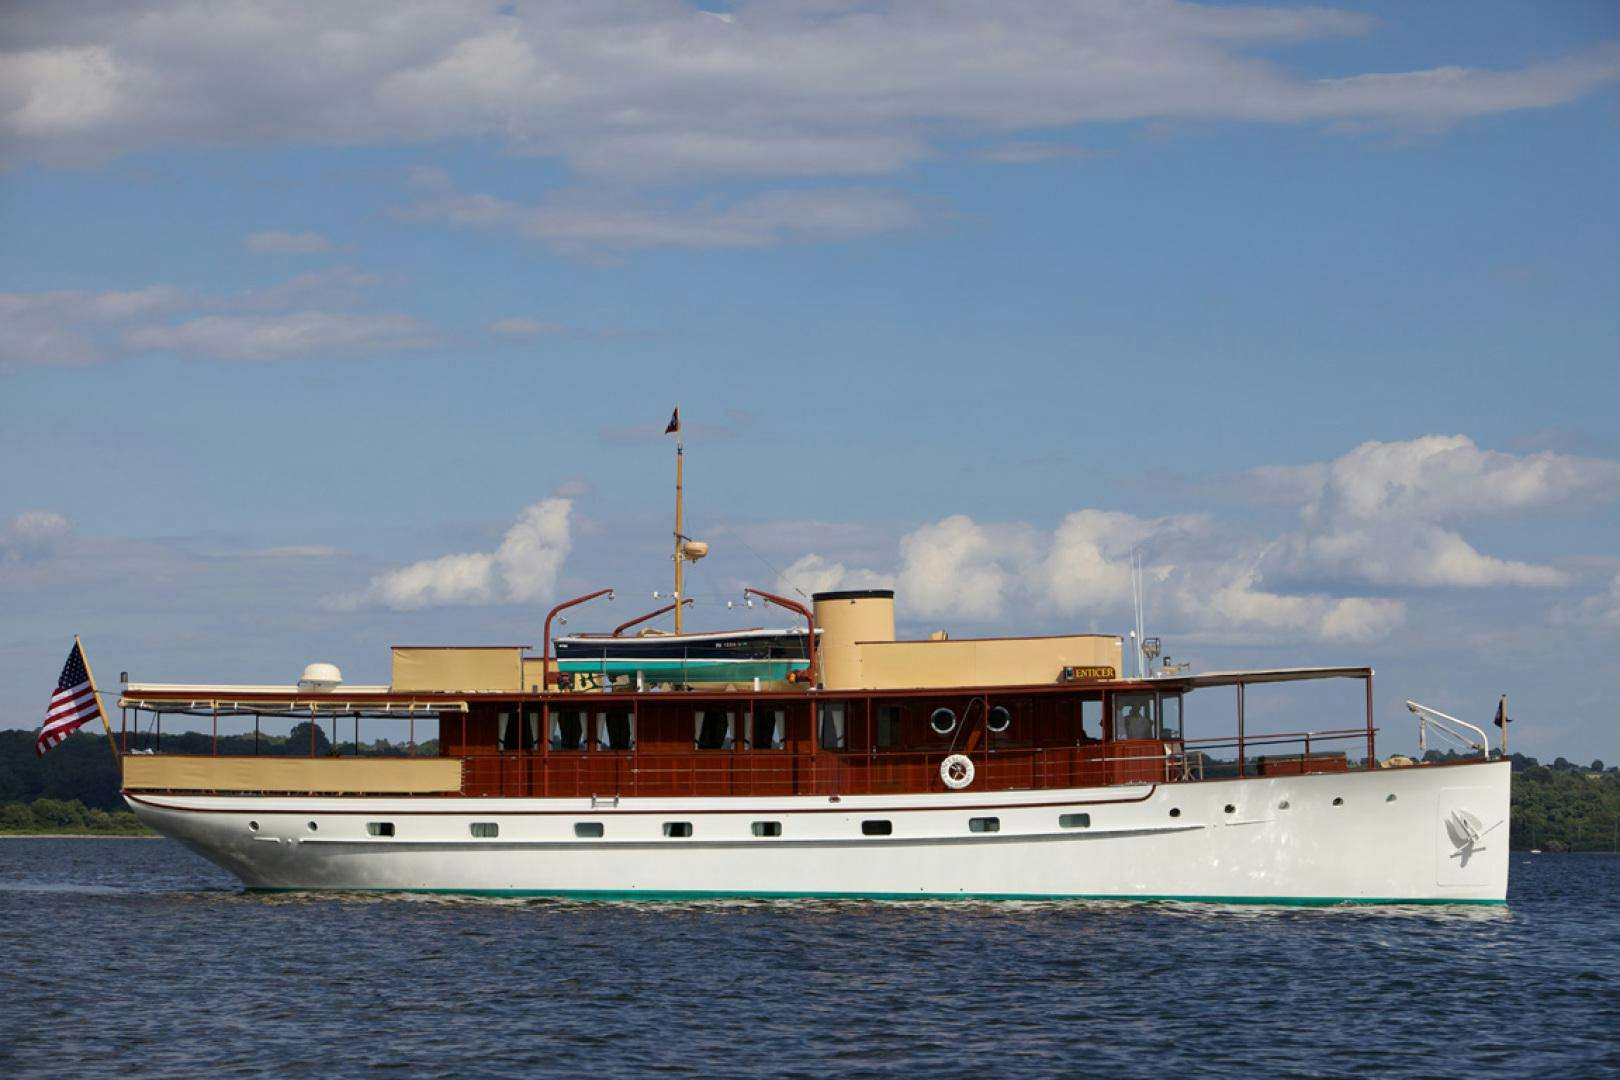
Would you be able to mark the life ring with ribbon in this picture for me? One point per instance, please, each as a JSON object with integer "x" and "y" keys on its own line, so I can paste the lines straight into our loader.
{"x": 956, "y": 771}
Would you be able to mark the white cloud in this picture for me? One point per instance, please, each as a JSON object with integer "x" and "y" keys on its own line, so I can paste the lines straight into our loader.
{"x": 640, "y": 89}
{"x": 960, "y": 568}
{"x": 518, "y": 327}
{"x": 1382, "y": 512}
{"x": 811, "y": 574}
{"x": 287, "y": 243}
{"x": 73, "y": 328}
{"x": 1031, "y": 152}
{"x": 294, "y": 334}
{"x": 576, "y": 223}
{"x": 522, "y": 570}
{"x": 1602, "y": 609}
{"x": 33, "y": 534}
{"x": 70, "y": 328}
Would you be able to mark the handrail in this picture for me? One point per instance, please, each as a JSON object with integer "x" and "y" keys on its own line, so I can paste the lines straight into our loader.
{"x": 639, "y": 619}
{"x": 1441, "y": 722}
{"x": 809, "y": 618}
{"x": 546, "y": 663}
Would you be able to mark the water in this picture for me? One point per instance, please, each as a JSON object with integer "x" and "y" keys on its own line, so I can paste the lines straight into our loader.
{"x": 136, "y": 957}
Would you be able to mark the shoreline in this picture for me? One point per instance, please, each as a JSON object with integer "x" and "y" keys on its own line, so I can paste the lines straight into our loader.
{"x": 78, "y": 836}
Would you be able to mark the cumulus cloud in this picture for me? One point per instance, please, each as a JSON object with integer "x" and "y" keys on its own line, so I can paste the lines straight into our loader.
{"x": 1385, "y": 512}
{"x": 275, "y": 337}
{"x": 1372, "y": 521}
{"x": 811, "y": 574}
{"x": 33, "y": 534}
{"x": 287, "y": 243}
{"x": 957, "y": 567}
{"x": 522, "y": 570}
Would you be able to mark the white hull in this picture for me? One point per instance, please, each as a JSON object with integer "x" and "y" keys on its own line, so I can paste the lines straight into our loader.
{"x": 1397, "y": 835}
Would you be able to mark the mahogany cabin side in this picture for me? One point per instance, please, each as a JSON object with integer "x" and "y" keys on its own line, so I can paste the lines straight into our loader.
{"x": 726, "y": 744}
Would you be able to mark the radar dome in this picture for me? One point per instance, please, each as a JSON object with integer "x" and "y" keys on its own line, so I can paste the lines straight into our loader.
{"x": 320, "y": 677}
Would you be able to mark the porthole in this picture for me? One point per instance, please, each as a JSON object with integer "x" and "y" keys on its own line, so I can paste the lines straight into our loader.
{"x": 943, "y": 721}
{"x": 587, "y": 830}
{"x": 984, "y": 824}
{"x": 253, "y": 826}
{"x": 1175, "y": 811}
{"x": 767, "y": 828}
{"x": 999, "y": 720}
{"x": 1074, "y": 821}
{"x": 1390, "y": 797}
{"x": 380, "y": 828}
{"x": 1230, "y": 809}
{"x": 678, "y": 829}
{"x": 1338, "y": 801}
{"x": 877, "y": 828}
{"x": 313, "y": 827}
{"x": 1283, "y": 805}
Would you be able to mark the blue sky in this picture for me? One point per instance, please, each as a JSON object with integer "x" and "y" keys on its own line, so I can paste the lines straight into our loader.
{"x": 327, "y": 328}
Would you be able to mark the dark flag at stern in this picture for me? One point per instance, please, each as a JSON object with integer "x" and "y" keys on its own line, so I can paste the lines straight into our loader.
{"x": 73, "y": 703}
{"x": 674, "y": 427}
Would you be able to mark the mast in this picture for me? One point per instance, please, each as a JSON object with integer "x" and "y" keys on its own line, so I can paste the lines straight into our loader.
{"x": 680, "y": 458}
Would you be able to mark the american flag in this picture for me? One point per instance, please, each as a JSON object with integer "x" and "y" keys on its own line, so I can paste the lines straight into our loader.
{"x": 73, "y": 703}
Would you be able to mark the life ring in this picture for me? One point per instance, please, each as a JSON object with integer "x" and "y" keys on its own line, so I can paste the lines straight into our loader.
{"x": 956, "y": 771}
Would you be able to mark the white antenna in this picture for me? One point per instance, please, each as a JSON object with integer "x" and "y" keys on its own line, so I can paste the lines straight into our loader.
{"x": 1136, "y": 601}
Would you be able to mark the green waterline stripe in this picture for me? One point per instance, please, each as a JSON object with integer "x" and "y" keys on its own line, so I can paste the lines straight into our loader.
{"x": 720, "y": 894}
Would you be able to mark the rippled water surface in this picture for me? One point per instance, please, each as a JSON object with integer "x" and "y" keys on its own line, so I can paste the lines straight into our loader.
{"x": 136, "y": 957}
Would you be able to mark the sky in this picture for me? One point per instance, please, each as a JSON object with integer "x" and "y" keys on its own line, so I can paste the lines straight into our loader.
{"x": 330, "y": 327}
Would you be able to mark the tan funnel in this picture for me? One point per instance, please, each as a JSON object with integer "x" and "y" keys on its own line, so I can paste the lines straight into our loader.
{"x": 844, "y": 619}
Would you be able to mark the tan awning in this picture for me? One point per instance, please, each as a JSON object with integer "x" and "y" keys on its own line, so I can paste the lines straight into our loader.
{"x": 1269, "y": 675}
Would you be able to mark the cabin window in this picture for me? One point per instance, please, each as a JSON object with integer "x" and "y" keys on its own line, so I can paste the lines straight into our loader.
{"x": 380, "y": 828}
{"x": 616, "y": 730}
{"x": 767, "y": 729}
{"x": 713, "y": 729}
{"x": 588, "y": 830}
{"x": 767, "y": 828}
{"x": 1170, "y": 716}
{"x": 568, "y": 729}
{"x": 888, "y": 727}
{"x": 485, "y": 830}
{"x": 984, "y": 824}
{"x": 678, "y": 829}
{"x": 877, "y": 828}
{"x": 832, "y": 714}
{"x": 942, "y": 720}
{"x": 1074, "y": 821}
{"x": 1135, "y": 716}
{"x": 999, "y": 719}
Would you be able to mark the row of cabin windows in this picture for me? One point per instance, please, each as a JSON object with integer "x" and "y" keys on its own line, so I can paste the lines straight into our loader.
{"x": 1137, "y": 715}
{"x": 488, "y": 830}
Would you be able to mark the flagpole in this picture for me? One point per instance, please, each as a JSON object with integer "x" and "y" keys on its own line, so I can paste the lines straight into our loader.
{"x": 101, "y": 710}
